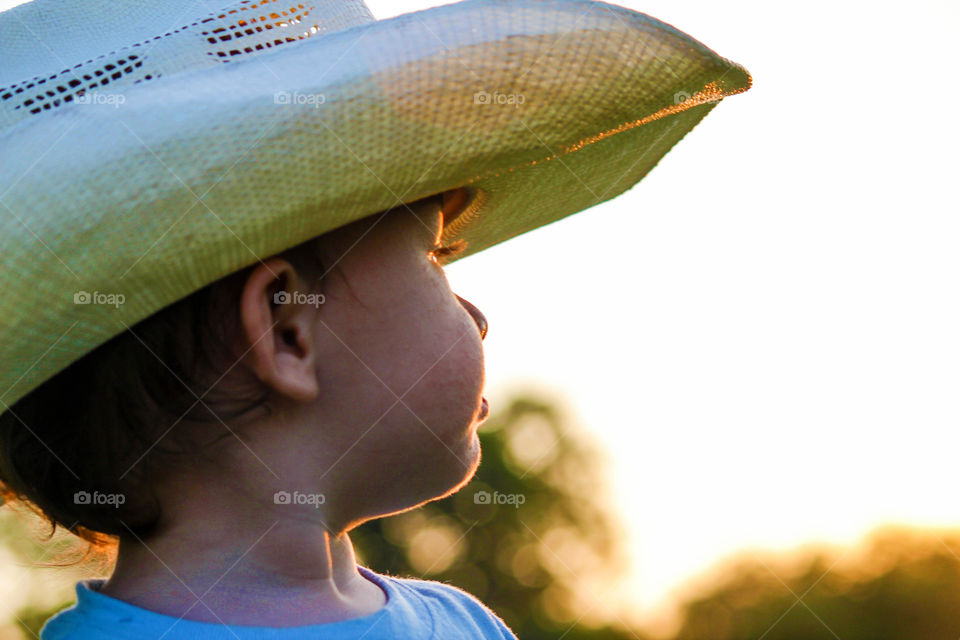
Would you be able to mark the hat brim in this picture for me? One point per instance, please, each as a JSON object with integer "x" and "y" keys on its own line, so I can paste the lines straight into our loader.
{"x": 539, "y": 108}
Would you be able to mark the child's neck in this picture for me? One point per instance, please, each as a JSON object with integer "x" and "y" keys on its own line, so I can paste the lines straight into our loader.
{"x": 290, "y": 574}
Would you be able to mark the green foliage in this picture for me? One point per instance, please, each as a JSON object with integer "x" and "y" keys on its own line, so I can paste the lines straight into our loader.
{"x": 899, "y": 584}
{"x": 30, "y": 620}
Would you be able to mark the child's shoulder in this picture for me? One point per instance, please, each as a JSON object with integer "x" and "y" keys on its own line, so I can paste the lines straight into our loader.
{"x": 454, "y": 613}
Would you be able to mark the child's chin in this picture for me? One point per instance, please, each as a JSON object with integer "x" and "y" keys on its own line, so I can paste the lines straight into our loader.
{"x": 464, "y": 466}
{"x": 463, "y": 480}
{"x": 471, "y": 461}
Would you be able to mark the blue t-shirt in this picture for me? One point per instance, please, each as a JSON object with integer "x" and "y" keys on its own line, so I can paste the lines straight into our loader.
{"x": 414, "y": 609}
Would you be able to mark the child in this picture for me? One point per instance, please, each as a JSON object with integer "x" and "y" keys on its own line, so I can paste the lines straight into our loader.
{"x": 292, "y": 365}
{"x": 372, "y": 401}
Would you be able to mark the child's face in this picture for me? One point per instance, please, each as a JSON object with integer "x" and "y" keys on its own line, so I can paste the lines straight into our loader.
{"x": 399, "y": 364}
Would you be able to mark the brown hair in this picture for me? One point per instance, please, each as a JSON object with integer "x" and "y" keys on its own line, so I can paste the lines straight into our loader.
{"x": 108, "y": 423}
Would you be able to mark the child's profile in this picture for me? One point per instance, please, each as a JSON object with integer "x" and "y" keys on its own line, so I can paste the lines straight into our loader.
{"x": 360, "y": 374}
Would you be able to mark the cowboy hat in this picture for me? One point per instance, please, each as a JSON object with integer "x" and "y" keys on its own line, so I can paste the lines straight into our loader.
{"x": 148, "y": 149}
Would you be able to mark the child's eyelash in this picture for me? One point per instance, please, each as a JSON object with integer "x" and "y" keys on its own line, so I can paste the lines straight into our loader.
{"x": 445, "y": 251}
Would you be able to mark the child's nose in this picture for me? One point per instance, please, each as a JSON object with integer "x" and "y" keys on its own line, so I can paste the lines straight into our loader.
{"x": 478, "y": 317}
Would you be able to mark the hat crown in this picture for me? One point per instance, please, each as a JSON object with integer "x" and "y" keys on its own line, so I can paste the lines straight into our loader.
{"x": 57, "y": 52}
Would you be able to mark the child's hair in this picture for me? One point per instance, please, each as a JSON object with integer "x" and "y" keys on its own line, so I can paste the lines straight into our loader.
{"x": 111, "y": 421}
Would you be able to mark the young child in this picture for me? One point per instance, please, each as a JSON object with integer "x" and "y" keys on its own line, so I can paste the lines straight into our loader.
{"x": 270, "y": 192}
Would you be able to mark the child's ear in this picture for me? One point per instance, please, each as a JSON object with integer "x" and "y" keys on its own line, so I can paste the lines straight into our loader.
{"x": 278, "y": 330}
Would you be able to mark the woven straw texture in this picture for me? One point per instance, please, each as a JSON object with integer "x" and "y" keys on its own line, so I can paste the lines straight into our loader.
{"x": 204, "y": 143}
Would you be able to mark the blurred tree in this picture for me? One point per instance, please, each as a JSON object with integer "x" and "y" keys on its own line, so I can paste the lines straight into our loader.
{"x": 531, "y": 535}
{"x": 899, "y": 584}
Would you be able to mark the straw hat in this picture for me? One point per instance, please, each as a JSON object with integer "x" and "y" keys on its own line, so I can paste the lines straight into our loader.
{"x": 150, "y": 148}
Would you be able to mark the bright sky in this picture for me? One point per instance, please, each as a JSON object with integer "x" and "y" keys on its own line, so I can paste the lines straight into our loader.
{"x": 782, "y": 364}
